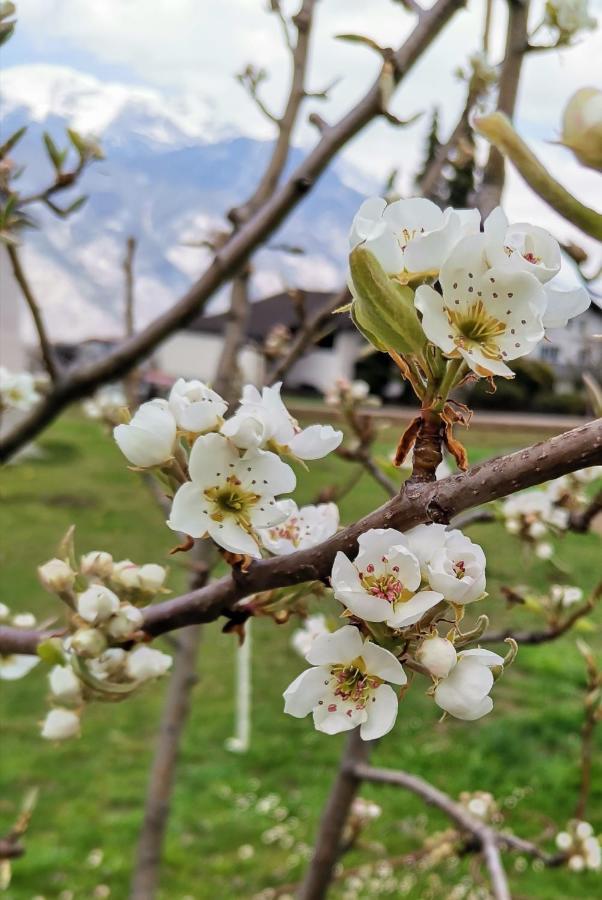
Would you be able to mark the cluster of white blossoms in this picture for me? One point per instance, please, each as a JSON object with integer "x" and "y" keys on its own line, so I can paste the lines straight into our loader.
{"x": 569, "y": 17}
{"x": 533, "y": 516}
{"x": 497, "y": 292}
{"x": 90, "y": 664}
{"x": 303, "y": 528}
{"x": 581, "y": 846}
{"x": 349, "y": 393}
{"x": 312, "y": 627}
{"x": 18, "y": 390}
{"x": 406, "y": 582}
{"x": 106, "y": 404}
{"x": 16, "y": 665}
{"x": 229, "y": 473}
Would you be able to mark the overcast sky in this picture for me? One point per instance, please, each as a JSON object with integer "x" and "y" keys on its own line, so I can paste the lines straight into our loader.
{"x": 198, "y": 45}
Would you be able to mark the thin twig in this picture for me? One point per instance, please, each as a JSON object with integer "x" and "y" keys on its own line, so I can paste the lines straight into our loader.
{"x": 45, "y": 345}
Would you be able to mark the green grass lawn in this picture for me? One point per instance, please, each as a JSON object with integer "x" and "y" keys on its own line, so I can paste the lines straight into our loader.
{"x": 92, "y": 789}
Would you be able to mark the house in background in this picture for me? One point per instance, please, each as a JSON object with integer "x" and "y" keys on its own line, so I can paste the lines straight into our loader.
{"x": 194, "y": 352}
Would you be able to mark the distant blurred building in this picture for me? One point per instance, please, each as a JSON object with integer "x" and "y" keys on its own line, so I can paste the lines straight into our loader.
{"x": 574, "y": 349}
{"x": 194, "y": 353}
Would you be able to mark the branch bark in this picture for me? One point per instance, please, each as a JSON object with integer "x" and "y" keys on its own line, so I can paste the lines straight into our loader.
{"x": 241, "y": 244}
{"x": 490, "y": 192}
{"x": 427, "y": 502}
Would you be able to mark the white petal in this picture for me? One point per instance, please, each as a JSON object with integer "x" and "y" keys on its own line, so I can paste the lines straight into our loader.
{"x": 414, "y": 213}
{"x": 17, "y": 666}
{"x": 413, "y": 610}
{"x": 303, "y": 694}
{"x": 316, "y": 441}
{"x": 382, "y": 663}
{"x": 247, "y": 429}
{"x": 189, "y": 511}
{"x": 424, "y": 541}
{"x": 564, "y": 305}
{"x": 212, "y": 460}
{"x": 231, "y": 536}
{"x": 266, "y": 473}
{"x": 485, "y": 657}
{"x": 344, "y": 574}
{"x": 267, "y": 512}
{"x": 434, "y": 319}
{"x": 342, "y": 646}
{"x": 334, "y": 716}
{"x": 382, "y": 712}
{"x": 377, "y": 542}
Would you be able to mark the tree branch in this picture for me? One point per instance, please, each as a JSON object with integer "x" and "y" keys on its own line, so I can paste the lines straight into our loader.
{"x": 437, "y": 501}
{"x": 490, "y": 191}
{"x": 237, "y": 249}
{"x": 45, "y": 345}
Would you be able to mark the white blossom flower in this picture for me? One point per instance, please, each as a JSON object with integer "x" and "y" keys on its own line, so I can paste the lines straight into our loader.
{"x": 64, "y": 684}
{"x": 149, "y": 439}
{"x": 565, "y": 594}
{"x": 4, "y": 612}
{"x": 107, "y": 403}
{"x": 303, "y": 638}
{"x": 263, "y": 421}
{"x": 347, "y": 685}
{"x": 592, "y": 853}
{"x": 143, "y": 663}
{"x": 411, "y": 235}
{"x": 195, "y": 407}
{"x": 56, "y": 575}
{"x": 24, "y": 620}
{"x": 383, "y": 582}
{"x": 544, "y": 550}
{"x": 88, "y": 642}
{"x": 464, "y": 694}
{"x": 303, "y": 528}
{"x": 437, "y": 654}
{"x": 152, "y": 577}
{"x": 569, "y": 16}
{"x": 457, "y": 569}
{"x": 16, "y": 665}
{"x": 576, "y": 863}
{"x": 125, "y": 621}
{"x": 60, "y": 724}
{"x": 230, "y": 496}
{"x": 520, "y": 247}
{"x": 17, "y": 390}
{"x": 485, "y": 315}
{"x": 97, "y": 563}
{"x": 564, "y": 840}
{"x": 97, "y": 603}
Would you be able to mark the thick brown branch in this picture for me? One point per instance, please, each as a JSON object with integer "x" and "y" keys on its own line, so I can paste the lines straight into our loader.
{"x": 45, "y": 345}
{"x": 490, "y": 192}
{"x": 437, "y": 501}
{"x": 237, "y": 249}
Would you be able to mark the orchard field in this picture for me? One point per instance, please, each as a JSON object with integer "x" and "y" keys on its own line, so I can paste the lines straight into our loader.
{"x": 241, "y": 824}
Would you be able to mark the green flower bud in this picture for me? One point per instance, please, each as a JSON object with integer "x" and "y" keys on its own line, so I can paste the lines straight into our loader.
{"x": 382, "y": 310}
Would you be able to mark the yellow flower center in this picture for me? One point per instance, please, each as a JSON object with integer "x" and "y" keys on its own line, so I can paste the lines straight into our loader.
{"x": 231, "y": 499}
{"x": 474, "y": 325}
{"x": 353, "y": 683}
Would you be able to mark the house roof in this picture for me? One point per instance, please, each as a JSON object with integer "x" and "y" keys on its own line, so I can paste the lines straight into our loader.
{"x": 287, "y": 308}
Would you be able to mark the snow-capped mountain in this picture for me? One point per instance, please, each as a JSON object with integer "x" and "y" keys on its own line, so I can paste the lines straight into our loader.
{"x": 168, "y": 178}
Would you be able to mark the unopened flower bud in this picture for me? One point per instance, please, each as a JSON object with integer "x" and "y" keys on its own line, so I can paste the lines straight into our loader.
{"x": 145, "y": 662}
{"x": 56, "y": 575}
{"x": 152, "y": 577}
{"x": 97, "y": 603}
{"x": 64, "y": 684}
{"x": 582, "y": 126}
{"x": 97, "y": 564}
{"x": 88, "y": 642}
{"x": 382, "y": 309}
{"x": 438, "y": 655}
{"x": 149, "y": 439}
{"x": 24, "y": 620}
{"x": 576, "y": 863}
{"x": 124, "y": 622}
{"x": 126, "y": 574}
{"x": 544, "y": 550}
{"x": 4, "y": 612}
{"x": 563, "y": 840}
{"x": 60, "y": 724}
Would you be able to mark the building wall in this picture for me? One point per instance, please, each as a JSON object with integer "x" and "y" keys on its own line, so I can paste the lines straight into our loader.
{"x": 189, "y": 354}
{"x": 574, "y": 347}
{"x": 321, "y": 366}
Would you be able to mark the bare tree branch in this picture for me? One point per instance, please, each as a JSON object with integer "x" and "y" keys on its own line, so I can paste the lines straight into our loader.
{"x": 543, "y": 636}
{"x": 417, "y": 503}
{"x": 241, "y": 244}
{"x": 45, "y": 345}
{"x": 490, "y": 191}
